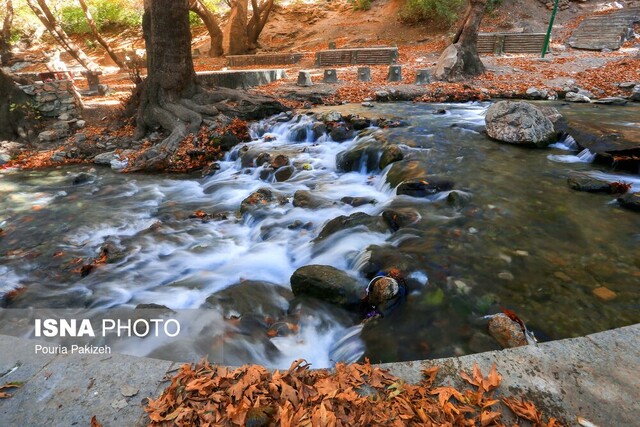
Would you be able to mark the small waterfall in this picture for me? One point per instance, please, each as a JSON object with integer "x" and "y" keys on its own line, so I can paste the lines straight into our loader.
{"x": 585, "y": 156}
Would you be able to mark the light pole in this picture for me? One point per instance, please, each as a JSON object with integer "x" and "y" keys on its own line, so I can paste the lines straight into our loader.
{"x": 546, "y": 40}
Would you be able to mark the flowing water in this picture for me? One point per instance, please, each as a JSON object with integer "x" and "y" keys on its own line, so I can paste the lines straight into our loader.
{"x": 512, "y": 235}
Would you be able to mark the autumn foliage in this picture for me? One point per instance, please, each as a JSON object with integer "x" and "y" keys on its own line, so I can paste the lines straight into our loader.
{"x": 351, "y": 395}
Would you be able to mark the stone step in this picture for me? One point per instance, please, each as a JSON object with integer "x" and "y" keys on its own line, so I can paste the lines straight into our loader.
{"x": 605, "y": 31}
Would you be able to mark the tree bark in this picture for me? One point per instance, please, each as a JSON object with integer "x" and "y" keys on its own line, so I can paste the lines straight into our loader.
{"x": 258, "y": 21}
{"x": 99, "y": 38}
{"x": 15, "y": 122}
{"x": 171, "y": 97}
{"x": 210, "y": 21}
{"x": 460, "y": 60}
{"x": 5, "y": 33}
{"x": 43, "y": 13}
{"x": 235, "y": 40}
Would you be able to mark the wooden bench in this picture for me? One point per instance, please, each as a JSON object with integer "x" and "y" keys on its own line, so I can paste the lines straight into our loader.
{"x": 264, "y": 59}
{"x": 500, "y": 43}
{"x": 357, "y": 56}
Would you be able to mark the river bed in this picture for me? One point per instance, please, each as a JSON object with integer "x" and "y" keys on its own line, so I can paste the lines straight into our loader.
{"x": 513, "y": 235}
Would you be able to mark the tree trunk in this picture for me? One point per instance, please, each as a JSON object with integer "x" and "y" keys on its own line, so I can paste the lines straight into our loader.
{"x": 5, "y": 33}
{"x": 460, "y": 60}
{"x": 258, "y": 21}
{"x": 43, "y": 12}
{"x": 171, "y": 97}
{"x": 99, "y": 38}
{"x": 15, "y": 122}
{"x": 235, "y": 40}
{"x": 210, "y": 21}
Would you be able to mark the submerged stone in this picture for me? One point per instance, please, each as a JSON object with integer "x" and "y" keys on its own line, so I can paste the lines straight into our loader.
{"x": 423, "y": 187}
{"x": 630, "y": 201}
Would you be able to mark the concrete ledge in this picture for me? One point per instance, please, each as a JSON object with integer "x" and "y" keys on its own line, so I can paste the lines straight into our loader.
{"x": 240, "y": 79}
{"x": 595, "y": 377}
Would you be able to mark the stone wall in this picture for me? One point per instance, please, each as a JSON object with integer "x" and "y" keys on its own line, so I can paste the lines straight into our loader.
{"x": 55, "y": 99}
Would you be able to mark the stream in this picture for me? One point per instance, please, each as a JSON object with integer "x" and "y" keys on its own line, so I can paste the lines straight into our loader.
{"x": 510, "y": 234}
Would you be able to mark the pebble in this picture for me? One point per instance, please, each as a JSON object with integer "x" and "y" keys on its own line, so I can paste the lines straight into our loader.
{"x": 604, "y": 294}
{"x": 505, "y": 275}
{"x": 505, "y": 258}
{"x": 473, "y": 230}
{"x": 522, "y": 253}
{"x": 367, "y": 104}
{"x": 119, "y": 404}
{"x": 128, "y": 391}
{"x": 563, "y": 276}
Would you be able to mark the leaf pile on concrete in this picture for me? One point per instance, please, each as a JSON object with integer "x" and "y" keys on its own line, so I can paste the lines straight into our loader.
{"x": 350, "y": 395}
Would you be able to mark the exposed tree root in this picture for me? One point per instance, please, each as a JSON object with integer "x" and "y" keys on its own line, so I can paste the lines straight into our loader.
{"x": 186, "y": 115}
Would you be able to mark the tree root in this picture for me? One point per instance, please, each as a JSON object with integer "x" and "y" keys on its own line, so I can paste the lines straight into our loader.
{"x": 186, "y": 115}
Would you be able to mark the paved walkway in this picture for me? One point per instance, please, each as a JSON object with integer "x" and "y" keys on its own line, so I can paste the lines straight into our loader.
{"x": 596, "y": 377}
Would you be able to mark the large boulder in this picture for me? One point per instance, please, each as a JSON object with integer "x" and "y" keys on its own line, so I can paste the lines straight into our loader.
{"x": 519, "y": 123}
{"x": 251, "y": 298}
{"x": 359, "y": 219}
{"x": 327, "y": 284}
{"x": 306, "y": 199}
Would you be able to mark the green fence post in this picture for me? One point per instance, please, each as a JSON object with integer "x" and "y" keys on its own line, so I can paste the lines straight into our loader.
{"x": 546, "y": 40}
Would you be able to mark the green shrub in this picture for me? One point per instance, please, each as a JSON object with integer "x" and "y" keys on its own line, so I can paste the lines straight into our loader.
{"x": 441, "y": 13}
{"x": 106, "y": 14}
{"x": 361, "y": 4}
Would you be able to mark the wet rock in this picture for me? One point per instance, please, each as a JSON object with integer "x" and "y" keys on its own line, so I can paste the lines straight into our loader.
{"x": 576, "y": 97}
{"x": 257, "y": 298}
{"x": 358, "y": 201}
{"x": 331, "y": 116}
{"x": 439, "y": 111}
{"x": 635, "y": 95}
{"x": 390, "y": 154}
{"x": 111, "y": 252}
{"x": 4, "y": 158}
{"x": 153, "y": 306}
{"x": 82, "y": 178}
{"x": 340, "y": 133}
{"x": 263, "y": 158}
{"x": 284, "y": 173}
{"x": 385, "y": 258}
{"x": 611, "y": 100}
{"x": 457, "y": 199}
{"x": 228, "y": 141}
{"x": 423, "y": 187}
{"x": 359, "y": 123}
{"x": 318, "y": 130}
{"x": 358, "y": 219}
{"x": 211, "y": 169}
{"x": 630, "y": 201}
{"x": 298, "y": 133}
{"x": 327, "y": 284}
{"x": 365, "y": 154}
{"x": 105, "y": 158}
{"x": 519, "y": 123}
{"x": 399, "y": 218}
{"x": 279, "y": 161}
{"x": 406, "y": 170}
{"x": 262, "y": 197}
{"x": 507, "y": 332}
{"x": 588, "y": 184}
{"x": 384, "y": 294}
{"x": 306, "y": 199}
